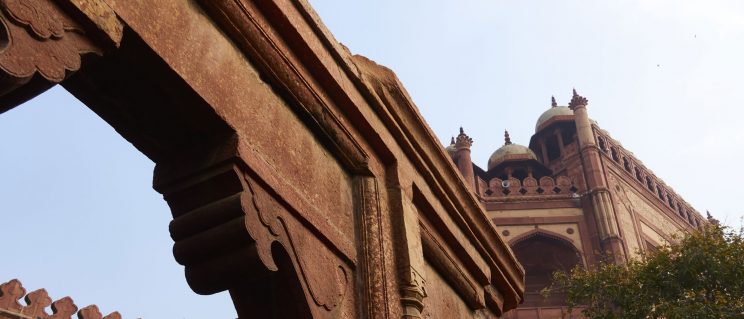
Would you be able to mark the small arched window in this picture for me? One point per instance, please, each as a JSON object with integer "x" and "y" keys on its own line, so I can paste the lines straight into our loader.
{"x": 602, "y": 145}
{"x": 615, "y": 157}
{"x": 626, "y": 164}
{"x": 638, "y": 175}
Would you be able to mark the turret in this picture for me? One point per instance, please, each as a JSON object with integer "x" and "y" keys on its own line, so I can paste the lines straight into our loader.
{"x": 598, "y": 193}
{"x": 583, "y": 124}
{"x": 462, "y": 158}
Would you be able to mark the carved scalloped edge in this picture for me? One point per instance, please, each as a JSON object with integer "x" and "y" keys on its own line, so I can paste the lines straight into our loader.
{"x": 38, "y": 300}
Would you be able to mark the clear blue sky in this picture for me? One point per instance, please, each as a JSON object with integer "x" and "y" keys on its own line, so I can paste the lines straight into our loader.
{"x": 661, "y": 76}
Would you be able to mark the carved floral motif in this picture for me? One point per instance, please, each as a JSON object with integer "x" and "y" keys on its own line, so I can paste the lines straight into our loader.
{"x": 324, "y": 276}
{"x": 40, "y": 39}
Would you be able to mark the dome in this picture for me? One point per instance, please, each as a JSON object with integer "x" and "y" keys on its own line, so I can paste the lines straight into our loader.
{"x": 510, "y": 151}
{"x": 555, "y": 111}
{"x": 451, "y": 149}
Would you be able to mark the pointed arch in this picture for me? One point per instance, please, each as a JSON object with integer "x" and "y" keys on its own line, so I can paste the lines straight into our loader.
{"x": 541, "y": 253}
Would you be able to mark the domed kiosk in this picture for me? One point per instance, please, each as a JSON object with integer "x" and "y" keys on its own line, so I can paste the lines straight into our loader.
{"x": 554, "y": 114}
{"x": 510, "y": 152}
{"x": 514, "y": 160}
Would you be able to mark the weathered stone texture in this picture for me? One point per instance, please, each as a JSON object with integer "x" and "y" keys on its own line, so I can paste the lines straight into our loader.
{"x": 301, "y": 179}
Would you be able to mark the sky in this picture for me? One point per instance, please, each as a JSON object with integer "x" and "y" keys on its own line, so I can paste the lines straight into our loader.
{"x": 80, "y": 217}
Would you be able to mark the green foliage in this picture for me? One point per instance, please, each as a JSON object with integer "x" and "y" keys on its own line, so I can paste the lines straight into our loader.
{"x": 700, "y": 277}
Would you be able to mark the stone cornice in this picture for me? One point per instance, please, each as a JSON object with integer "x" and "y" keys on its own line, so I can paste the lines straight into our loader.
{"x": 600, "y": 133}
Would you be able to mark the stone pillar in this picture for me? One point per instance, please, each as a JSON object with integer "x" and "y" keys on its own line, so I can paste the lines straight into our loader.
{"x": 544, "y": 149}
{"x": 559, "y": 138}
{"x": 598, "y": 193}
{"x": 464, "y": 163}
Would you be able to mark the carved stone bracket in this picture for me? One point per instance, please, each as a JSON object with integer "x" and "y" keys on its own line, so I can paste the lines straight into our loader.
{"x": 227, "y": 226}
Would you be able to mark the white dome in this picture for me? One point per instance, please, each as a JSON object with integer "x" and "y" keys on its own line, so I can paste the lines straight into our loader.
{"x": 551, "y": 113}
{"x": 510, "y": 152}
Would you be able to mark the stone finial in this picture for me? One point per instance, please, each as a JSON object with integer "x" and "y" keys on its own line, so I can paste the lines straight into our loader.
{"x": 553, "y": 103}
{"x": 463, "y": 140}
{"x": 507, "y": 139}
{"x": 452, "y": 141}
{"x": 577, "y": 100}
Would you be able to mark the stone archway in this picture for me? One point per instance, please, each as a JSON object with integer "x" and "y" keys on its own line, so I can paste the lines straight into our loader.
{"x": 284, "y": 159}
{"x": 542, "y": 254}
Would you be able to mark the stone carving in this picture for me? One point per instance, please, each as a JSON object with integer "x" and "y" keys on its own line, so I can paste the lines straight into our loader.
{"x": 38, "y": 300}
{"x": 463, "y": 140}
{"x": 40, "y": 39}
{"x": 92, "y": 312}
{"x": 242, "y": 223}
{"x": 547, "y": 182}
{"x": 529, "y": 186}
{"x": 326, "y": 280}
{"x": 644, "y": 176}
{"x": 577, "y": 100}
{"x": 375, "y": 302}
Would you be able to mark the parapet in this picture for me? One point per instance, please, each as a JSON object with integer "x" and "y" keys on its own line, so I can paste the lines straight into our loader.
{"x": 38, "y": 300}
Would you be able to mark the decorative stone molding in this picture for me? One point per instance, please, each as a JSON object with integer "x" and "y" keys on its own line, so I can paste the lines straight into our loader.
{"x": 40, "y": 45}
{"x": 562, "y": 186}
{"x": 647, "y": 182}
{"x": 376, "y": 298}
{"x": 36, "y": 303}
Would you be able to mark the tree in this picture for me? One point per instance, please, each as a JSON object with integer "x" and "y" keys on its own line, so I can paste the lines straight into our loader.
{"x": 702, "y": 276}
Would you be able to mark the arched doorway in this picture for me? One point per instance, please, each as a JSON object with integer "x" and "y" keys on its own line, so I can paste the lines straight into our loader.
{"x": 541, "y": 255}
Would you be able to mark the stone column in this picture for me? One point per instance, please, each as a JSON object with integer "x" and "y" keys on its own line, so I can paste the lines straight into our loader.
{"x": 559, "y": 138}
{"x": 544, "y": 149}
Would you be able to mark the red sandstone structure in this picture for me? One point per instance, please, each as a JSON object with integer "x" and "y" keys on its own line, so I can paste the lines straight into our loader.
{"x": 573, "y": 197}
{"x": 36, "y": 302}
{"x": 301, "y": 178}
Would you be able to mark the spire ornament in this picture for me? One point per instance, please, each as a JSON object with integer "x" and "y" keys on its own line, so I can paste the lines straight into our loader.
{"x": 507, "y": 139}
{"x": 577, "y": 101}
{"x": 452, "y": 141}
{"x": 463, "y": 140}
{"x": 553, "y": 103}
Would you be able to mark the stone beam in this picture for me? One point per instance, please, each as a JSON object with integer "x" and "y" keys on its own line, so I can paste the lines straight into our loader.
{"x": 297, "y": 173}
